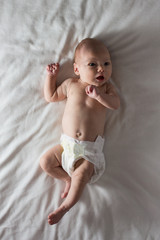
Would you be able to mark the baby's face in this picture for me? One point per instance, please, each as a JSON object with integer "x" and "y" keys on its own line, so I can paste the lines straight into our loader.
{"x": 93, "y": 65}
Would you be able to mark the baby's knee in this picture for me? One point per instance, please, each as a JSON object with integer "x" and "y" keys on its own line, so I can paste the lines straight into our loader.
{"x": 81, "y": 175}
{"x": 44, "y": 163}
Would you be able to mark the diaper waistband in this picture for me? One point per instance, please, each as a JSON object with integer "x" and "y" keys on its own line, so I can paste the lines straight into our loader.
{"x": 97, "y": 144}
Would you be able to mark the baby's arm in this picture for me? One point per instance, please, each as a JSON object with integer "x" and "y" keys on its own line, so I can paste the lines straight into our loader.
{"x": 52, "y": 93}
{"x": 109, "y": 98}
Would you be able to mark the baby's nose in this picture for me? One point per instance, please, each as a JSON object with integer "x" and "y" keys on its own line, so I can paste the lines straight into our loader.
{"x": 100, "y": 68}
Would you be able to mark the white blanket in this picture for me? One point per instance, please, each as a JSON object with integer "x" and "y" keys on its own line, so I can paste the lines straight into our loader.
{"x": 125, "y": 203}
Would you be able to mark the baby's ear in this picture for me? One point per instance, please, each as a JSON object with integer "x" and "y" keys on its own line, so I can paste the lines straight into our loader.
{"x": 76, "y": 71}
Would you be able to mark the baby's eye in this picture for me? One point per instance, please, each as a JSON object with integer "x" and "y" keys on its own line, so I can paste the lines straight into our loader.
{"x": 92, "y": 64}
{"x": 106, "y": 63}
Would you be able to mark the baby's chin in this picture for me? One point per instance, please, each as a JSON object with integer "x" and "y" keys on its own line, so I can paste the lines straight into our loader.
{"x": 95, "y": 82}
{"x": 100, "y": 83}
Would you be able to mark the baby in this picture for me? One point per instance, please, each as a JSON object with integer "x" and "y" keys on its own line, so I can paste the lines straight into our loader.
{"x": 79, "y": 159}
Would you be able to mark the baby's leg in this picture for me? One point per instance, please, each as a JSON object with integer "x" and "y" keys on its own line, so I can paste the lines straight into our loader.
{"x": 50, "y": 162}
{"x": 80, "y": 177}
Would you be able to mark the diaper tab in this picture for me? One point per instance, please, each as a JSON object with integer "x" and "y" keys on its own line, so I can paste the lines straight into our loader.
{"x": 99, "y": 143}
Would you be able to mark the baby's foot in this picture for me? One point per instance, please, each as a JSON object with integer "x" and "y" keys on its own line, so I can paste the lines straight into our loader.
{"x": 66, "y": 190}
{"x": 55, "y": 216}
{"x": 53, "y": 69}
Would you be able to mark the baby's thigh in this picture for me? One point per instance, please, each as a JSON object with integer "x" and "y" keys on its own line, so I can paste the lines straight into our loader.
{"x": 52, "y": 157}
{"x": 84, "y": 168}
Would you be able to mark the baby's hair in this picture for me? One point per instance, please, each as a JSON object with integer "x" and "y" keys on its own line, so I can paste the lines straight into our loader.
{"x": 85, "y": 42}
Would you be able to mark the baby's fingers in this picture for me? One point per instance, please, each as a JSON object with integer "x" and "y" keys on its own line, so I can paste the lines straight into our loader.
{"x": 52, "y": 68}
{"x": 89, "y": 89}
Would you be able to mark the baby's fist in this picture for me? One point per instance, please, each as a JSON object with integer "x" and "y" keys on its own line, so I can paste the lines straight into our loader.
{"x": 52, "y": 68}
{"x": 92, "y": 91}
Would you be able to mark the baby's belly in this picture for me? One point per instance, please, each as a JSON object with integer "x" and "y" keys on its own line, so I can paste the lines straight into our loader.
{"x": 83, "y": 127}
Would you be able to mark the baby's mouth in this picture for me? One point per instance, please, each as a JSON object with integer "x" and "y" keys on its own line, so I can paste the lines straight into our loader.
{"x": 100, "y": 78}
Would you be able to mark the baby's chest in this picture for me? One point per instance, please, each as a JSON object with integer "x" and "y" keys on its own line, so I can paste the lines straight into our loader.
{"x": 92, "y": 103}
{"x": 80, "y": 99}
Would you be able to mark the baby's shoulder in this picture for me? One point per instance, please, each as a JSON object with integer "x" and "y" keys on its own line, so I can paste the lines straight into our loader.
{"x": 71, "y": 80}
{"x": 69, "y": 84}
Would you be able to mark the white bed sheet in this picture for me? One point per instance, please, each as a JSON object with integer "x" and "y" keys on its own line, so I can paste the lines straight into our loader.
{"x": 125, "y": 203}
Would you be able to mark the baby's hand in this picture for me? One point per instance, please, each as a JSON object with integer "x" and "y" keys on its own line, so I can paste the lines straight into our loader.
{"x": 53, "y": 69}
{"x": 92, "y": 91}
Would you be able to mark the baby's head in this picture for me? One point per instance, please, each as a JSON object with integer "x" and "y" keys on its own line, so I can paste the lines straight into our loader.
{"x": 88, "y": 43}
{"x": 92, "y": 62}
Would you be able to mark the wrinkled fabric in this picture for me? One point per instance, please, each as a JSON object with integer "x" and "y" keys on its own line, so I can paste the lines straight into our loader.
{"x": 125, "y": 203}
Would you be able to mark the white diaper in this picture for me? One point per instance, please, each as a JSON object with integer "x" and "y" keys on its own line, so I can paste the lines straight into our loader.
{"x": 91, "y": 151}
